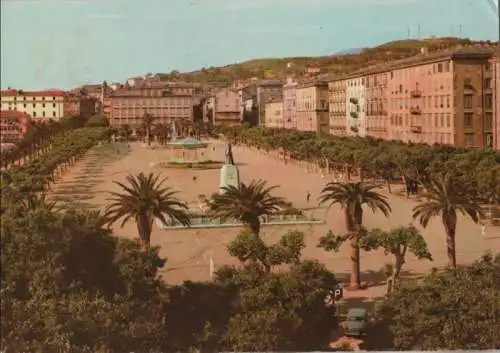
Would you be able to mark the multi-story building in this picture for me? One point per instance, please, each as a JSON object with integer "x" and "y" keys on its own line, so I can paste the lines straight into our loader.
{"x": 444, "y": 97}
{"x": 312, "y": 107}
{"x": 13, "y": 126}
{"x": 249, "y": 111}
{"x": 227, "y": 107}
{"x": 375, "y": 105}
{"x": 496, "y": 99}
{"x": 337, "y": 99}
{"x": 274, "y": 114}
{"x": 290, "y": 104}
{"x": 163, "y": 100}
{"x": 77, "y": 104}
{"x": 267, "y": 89}
{"x": 355, "y": 106}
{"x": 40, "y": 105}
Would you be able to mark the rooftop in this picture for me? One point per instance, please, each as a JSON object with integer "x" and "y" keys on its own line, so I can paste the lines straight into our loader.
{"x": 10, "y": 114}
{"x": 15, "y": 92}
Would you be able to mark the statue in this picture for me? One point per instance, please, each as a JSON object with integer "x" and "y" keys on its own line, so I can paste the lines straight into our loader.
{"x": 229, "y": 173}
{"x": 229, "y": 154}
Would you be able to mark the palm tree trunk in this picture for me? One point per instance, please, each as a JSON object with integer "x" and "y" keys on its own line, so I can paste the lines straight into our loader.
{"x": 450, "y": 225}
{"x": 144, "y": 226}
{"x": 355, "y": 282}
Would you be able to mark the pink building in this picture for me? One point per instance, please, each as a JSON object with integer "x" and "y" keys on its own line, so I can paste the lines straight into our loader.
{"x": 447, "y": 97}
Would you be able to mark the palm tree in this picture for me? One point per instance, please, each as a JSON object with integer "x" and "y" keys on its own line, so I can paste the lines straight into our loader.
{"x": 144, "y": 199}
{"x": 148, "y": 121}
{"x": 351, "y": 197}
{"x": 246, "y": 203}
{"x": 445, "y": 197}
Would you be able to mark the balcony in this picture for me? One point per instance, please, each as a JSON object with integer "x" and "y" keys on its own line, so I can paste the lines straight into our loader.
{"x": 415, "y": 110}
{"x": 354, "y": 115}
{"x": 354, "y": 100}
{"x": 416, "y": 129}
{"x": 416, "y": 93}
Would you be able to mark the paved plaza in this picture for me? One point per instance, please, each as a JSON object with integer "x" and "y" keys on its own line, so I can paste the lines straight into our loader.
{"x": 188, "y": 251}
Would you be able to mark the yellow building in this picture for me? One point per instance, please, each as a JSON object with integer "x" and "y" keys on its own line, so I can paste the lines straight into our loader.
{"x": 39, "y": 105}
{"x": 274, "y": 114}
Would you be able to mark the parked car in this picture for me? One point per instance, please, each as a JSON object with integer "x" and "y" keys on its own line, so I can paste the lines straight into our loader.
{"x": 356, "y": 322}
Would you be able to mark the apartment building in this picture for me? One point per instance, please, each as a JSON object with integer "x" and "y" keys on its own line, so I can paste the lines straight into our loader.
{"x": 274, "y": 114}
{"x": 355, "y": 106}
{"x": 444, "y": 97}
{"x": 337, "y": 106}
{"x": 290, "y": 104}
{"x": 227, "y": 107}
{"x": 166, "y": 101}
{"x": 249, "y": 104}
{"x": 265, "y": 90}
{"x": 312, "y": 107}
{"x": 40, "y": 105}
{"x": 13, "y": 126}
{"x": 496, "y": 99}
{"x": 376, "y": 102}
{"x": 77, "y": 104}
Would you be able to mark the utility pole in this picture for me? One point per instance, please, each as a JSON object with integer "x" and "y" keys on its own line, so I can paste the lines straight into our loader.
{"x": 419, "y": 36}
{"x": 408, "y": 32}
{"x": 460, "y": 31}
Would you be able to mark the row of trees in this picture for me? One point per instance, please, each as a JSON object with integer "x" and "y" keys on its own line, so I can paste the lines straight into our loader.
{"x": 476, "y": 170}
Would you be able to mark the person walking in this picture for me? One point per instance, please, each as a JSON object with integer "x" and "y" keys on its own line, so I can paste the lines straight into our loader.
{"x": 308, "y": 196}
{"x": 483, "y": 230}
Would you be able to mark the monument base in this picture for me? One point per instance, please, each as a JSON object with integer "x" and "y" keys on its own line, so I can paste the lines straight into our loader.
{"x": 229, "y": 176}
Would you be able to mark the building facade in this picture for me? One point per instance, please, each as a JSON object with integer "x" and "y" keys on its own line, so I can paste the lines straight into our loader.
{"x": 227, "y": 107}
{"x": 13, "y": 126}
{"x": 445, "y": 98}
{"x": 337, "y": 99}
{"x": 290, "y": 104}
{"x": 312, "y": 107}
{"x": 266, "y": 90}
{"x": 40, "y": 105}
{"x": 164, "y": 101}
{"x": 376, "y": 105}
{"x": 496, "y": 100}
{"x": 355, "y": 106}
{"x": 274, "y": 114}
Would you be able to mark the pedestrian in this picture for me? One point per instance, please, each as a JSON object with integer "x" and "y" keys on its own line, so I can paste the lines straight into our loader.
{"x": 194, "y": 178}
{"x": 308, "y": 196}
{"x": 483, "y": 230}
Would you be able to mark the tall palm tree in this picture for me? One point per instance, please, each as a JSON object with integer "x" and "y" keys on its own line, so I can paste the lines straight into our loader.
{"x": 143, "y": 199}
{"x": 246, "y": 203}
{"x": 446, "y": 198}
{"x": 147, "y": 121}
{"x": 351, "y": 197}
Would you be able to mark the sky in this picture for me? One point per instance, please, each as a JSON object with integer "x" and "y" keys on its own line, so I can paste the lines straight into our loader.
{"x": 65, "y": 43}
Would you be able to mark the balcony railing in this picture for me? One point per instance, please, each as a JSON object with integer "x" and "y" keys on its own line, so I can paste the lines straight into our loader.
{"x": 416, "y": 129}
{"x": 415, "y": 110}
{"x": 354, "y": 115}
{"x": 353, "y": 100}
{"x": 416, "y": 93}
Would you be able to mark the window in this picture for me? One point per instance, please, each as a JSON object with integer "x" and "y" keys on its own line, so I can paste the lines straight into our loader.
{"x": 488, "y": 101}
{"x": 24, "y": 105}
{"x": 54, "y": 105}
{"x": 468, "y": 118}
{"x": 53, "y": 114}
{"x": 441, "y": 120}
{"x": 440, "y": 67}
{"x": 469, "y": 139}
{"x": 447, "y": 66}
{"x": 468, "y": 99}
{"x": 34, "y": 114}
{"x": 488, "y": 120}
{"x": 400, "y": 88}
{"x": 447, "y": 101}
{"x": 43, "y": 105}
{"x": 435, "y": 101}
{"x": 487, "y": 83}
{"x": 448, "y": 118}
{"x": 467, "y": 83}
{"x": 43, "y": 113}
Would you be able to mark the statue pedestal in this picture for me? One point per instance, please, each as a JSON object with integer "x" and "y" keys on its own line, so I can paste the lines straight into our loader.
{"x": 229, "y": 176}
